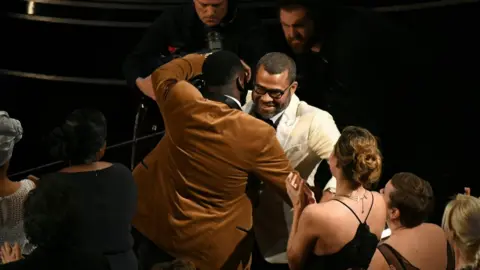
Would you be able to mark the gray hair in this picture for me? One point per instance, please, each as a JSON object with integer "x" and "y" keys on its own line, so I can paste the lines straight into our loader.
{"x": 11, "y": 132}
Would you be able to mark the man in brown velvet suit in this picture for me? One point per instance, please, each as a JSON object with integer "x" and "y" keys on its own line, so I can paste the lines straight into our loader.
{"x": 191, "y": 187}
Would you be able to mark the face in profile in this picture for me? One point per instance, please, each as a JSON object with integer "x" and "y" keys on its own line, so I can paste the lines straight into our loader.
{"x": 386, "y": 196}
{"x": 211, "y": 12}
{"x": 297, "y": 27}
{"x": 272, "y": 92}
{"x": 332, "y": 163}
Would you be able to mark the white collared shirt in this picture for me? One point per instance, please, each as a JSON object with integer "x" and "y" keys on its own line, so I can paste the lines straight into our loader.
{"x": 277, "y": 116}
{"x": 236, "y": 100}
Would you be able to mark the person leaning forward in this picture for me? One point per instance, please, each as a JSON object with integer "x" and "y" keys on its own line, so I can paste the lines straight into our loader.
{"x": 191, "y": 187}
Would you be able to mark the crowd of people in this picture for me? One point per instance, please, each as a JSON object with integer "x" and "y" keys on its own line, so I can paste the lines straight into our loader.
{"x": 236, "y": 182}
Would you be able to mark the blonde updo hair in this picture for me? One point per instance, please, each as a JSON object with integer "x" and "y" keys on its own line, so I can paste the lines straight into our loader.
{"x": 358, "y": 156}
{"x": 461, "y": 221}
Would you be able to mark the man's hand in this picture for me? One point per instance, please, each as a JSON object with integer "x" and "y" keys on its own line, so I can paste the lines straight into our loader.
{"x": 248, "y": 70}
{"x": 10, "y": 253}
{"x": 145, "y": 85}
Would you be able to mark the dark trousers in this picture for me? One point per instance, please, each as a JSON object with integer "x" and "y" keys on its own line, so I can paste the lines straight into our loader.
{"x": 148, "y": 254}
{"x": 259, "y": 263}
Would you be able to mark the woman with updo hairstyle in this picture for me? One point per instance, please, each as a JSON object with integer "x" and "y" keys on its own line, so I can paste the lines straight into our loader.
{"x": 107, "y": 191}
{"x": 342, "y": 233}
{"x": 461, "y": 223}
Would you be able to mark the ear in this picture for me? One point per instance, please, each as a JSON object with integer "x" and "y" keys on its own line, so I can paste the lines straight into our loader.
{"x": 294, "y": 86}
{"x": 394, "y": 213}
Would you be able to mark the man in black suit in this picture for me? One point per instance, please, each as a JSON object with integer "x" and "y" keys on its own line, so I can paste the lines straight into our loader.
{"x": 190, "y": 28}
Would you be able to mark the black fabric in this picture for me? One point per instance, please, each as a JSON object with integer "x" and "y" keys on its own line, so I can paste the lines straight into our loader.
{"x": 394, "y": 258}
{"x": 223, "y": 99}
{"x": 180, "y": 28}
{"x": 60, "y": 259}
{"x": 147, "y": 252}
{"x": 364, "y": 76}
{"x": 269, "y": 121}
{"x": 356, "y": 254}
{"x": 450, "y": 257}
{"x": 107, "y": 207}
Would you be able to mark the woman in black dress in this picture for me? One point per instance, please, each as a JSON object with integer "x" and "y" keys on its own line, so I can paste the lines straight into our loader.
{"x": 107, "y": 191}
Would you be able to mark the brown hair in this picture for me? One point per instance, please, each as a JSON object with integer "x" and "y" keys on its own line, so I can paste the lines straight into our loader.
{"x": 413, "y": 197}
{"x": 358, "y": 156}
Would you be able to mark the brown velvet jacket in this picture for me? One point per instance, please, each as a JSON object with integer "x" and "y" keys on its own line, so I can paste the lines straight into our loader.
{"x": 191, "y": 188}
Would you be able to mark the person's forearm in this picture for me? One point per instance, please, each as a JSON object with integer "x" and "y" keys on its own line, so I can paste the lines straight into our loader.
{"x": 297, "y": 211}
{"x": 179, "y": 69}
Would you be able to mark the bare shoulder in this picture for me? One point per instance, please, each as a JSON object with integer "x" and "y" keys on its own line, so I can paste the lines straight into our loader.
{"x": 315, "y": 213}
{"x": 325, "y": 211}
{"x": 432, "y": 229}
{"x": 378, "y": 199}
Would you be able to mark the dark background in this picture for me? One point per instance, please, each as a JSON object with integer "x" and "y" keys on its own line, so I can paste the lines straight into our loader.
{"x": 68, "y": 54}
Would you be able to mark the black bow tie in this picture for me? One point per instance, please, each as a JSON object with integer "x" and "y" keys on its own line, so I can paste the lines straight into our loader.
{"x": 268, "y": 121}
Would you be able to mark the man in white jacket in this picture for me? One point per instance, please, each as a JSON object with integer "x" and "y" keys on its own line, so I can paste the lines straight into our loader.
{"x": 307, "y": 135}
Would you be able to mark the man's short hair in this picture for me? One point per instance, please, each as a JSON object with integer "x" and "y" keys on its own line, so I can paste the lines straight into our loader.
{"x": 276, "y": 63}
{"x": 413, "y": 197}
{"x": 221, "y": 68}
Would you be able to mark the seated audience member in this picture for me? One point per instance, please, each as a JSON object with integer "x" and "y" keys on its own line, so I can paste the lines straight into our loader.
{"x": 344, "y": 232}
{"x": 108, "y": 192}
{"x": 413, "y": 243}
{"x": 12, "y": 194}
{"x": 461, "y": 222}
{"x": 192, "y": 187}
{"x": 51, "y": 224}
{"x": 307, "y": 135}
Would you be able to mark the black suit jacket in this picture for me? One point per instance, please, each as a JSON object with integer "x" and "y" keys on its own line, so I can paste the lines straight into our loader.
{"x": 179, "y": 31}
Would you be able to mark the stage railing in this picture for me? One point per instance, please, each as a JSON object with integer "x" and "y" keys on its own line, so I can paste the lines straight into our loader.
{"x": 51, "y": 164}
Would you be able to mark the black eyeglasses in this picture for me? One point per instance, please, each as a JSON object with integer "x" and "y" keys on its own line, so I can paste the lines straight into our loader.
{"x": 273, "y": 93}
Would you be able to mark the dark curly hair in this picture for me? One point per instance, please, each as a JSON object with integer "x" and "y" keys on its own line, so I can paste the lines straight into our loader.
{"x": 80, "y": 138}
{"x": 50, "y": 214}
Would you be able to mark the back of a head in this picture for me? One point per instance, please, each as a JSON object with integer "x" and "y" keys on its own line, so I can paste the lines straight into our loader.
{"x": 358, "y": 156}
{"x": 413, "y": 197}
{"x": 461, "y": 221}
{"x": 11, "y": 132}
{"x": 50, "y": 212}
{"x": 80, "y": 138}
{"x": 221, "y": 69}
{"x": 276, "y": 63}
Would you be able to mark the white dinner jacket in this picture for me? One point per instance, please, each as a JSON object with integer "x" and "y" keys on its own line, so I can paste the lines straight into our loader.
{"x": 307, "y": 135}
